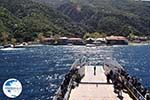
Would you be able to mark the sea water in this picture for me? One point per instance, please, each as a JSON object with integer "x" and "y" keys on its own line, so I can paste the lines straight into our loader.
{"x": 40, "y": 69}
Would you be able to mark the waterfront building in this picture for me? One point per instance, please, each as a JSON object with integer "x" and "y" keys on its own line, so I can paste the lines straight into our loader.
{"x": 76, "y": 41}
{"x": 116, "y": 40}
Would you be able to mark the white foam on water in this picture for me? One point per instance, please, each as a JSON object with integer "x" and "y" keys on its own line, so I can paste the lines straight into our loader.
{"x": 120, "y": 46}
{"x": 10, "y": 49}
{"x": 139, "y": 44}
{"x": 36, "y": 45}
{"x": 136, "y": 69}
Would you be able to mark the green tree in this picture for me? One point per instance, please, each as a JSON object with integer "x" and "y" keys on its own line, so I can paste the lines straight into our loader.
{"x": 13, "y": 41}
{"x": 41, "y": 37}
{"x": 50, "y": 33}
{"x": 86, "y": 35}
{"x": 56, "y": 37}
{"x": 94, "y": 35}
{"x": 4, "y": 38}
{"x": 131, "y": 36}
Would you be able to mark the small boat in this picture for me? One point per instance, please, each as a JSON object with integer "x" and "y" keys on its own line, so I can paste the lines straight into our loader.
{"x": 106, "y": 80}
{"x": 90, "y": 45}
{"x": 8, "y": 46}
{"x": 19, "y": 46}
{"x": 14, "y": 47}
{"x": 24, "y": 44}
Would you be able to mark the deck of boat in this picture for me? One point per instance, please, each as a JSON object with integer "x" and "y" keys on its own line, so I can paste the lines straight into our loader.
{"x": 95, "y": 87}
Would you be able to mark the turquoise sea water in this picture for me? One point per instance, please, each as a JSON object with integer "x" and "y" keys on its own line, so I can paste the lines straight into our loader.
{"x": 40, "y": 69}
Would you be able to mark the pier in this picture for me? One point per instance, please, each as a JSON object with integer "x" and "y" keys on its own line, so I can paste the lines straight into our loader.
{"x": 94, "y": 86}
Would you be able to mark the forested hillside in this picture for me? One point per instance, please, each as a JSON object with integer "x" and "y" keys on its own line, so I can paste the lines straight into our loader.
{"x": 25, "y": 19}
{"x": 108, "y": 16}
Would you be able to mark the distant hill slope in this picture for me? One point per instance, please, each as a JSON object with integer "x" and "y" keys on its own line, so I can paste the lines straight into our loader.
{"x": 24, "y": 19}
{"x": 52, "y": 3}
{"x": 109, "y": 16}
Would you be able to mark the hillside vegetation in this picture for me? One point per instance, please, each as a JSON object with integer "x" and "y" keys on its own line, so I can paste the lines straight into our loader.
{"x": 111, "y": 16}
{"x": 23, "y": 20}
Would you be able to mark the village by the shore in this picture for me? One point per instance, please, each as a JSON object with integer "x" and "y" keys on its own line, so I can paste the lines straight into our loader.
{"x": 108, "y": 40}
{"x": 89, "y": 42}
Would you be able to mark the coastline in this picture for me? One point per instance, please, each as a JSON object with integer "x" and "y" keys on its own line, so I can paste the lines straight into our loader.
{"x": 33, "y": 43}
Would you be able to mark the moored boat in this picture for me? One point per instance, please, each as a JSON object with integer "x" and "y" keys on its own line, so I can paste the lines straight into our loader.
{"x": 22, "y": 45}
{"x": 8, "y": 46}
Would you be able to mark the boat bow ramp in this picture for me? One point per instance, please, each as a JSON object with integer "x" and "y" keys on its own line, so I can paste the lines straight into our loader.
{"x": 94, "y": 86}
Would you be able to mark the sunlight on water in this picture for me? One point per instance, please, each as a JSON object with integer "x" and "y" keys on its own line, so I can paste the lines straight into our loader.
{"x": 42, "y": 68}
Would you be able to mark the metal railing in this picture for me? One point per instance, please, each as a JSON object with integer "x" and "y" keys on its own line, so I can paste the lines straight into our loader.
{"x": 114, "y": 65}
{"x": 134, "y": 92}
{"x": 83, "y": 61}
{"x": 79, "y": 62}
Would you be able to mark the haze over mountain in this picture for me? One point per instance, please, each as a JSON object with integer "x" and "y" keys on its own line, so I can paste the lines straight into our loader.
{"x": 25, "y": 19}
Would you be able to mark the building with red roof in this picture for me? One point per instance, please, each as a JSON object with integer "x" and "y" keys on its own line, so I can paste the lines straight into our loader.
{"x": 116, "y": 40}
